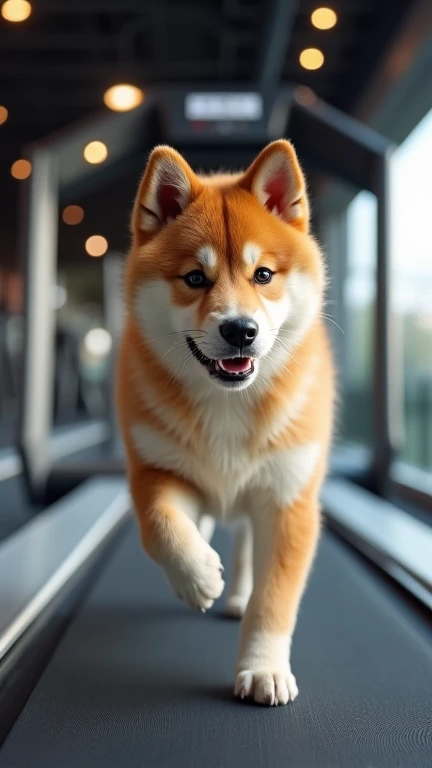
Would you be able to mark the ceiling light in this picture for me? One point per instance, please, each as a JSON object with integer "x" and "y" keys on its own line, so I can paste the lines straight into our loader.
{"x": 16, "y": 10}
{"x": 324, "y": 18}
{"x": 95, "y": 152}
{"x": 122, "y": 98}
{"x": 96, "y": 245}
{"x": 73, "y": 214}
{"x": 21, "y": 169}
{"x": 3, "y": 115}
{"x": 311, "y": 58}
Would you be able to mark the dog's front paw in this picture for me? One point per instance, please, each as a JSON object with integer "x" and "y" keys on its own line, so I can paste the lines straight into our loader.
{"x": 197, "y": 577}
{"x": 266, "y": 687}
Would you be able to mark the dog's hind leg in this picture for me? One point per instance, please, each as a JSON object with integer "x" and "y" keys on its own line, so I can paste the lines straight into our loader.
{"x": 206, "y": 526}
{"x": 241, "y": 586}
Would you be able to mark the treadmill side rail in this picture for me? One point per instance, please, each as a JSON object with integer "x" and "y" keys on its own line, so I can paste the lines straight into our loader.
{"x": 399, "y": 543}
{"x": 39, "y": 560}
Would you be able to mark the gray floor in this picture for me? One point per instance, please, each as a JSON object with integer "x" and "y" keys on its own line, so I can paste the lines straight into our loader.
{"x": 139, "y": 680}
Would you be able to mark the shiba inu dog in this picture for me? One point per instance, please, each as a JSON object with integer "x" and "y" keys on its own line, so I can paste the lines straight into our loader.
{"x": 225, "y": 393}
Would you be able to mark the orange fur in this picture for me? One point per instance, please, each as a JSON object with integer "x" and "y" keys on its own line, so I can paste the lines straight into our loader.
{"x": 287, "y": 411}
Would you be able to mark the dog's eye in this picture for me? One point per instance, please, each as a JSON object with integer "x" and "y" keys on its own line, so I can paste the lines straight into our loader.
{"x": 263, "y": 275}
{"x": 196, "y": 279}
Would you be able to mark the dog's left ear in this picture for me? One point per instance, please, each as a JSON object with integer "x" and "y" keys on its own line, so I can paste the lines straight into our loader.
{"x": 276, "y": 179}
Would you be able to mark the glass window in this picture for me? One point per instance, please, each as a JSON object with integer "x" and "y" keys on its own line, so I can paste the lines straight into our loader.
{"x": 411, "y": 283}
{"x": 359, "y": 300}
{"x": 83, "y": 344}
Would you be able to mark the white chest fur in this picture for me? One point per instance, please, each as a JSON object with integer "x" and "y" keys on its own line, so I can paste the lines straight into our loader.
{"x": 224, "y": 469}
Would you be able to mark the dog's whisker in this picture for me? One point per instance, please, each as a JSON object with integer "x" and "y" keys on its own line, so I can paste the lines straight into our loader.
{"x": 330, "y": 319}
{"x": 281, "y": 364}
{"x": 186, "y": 363}
{"x": 176, "y": 366}
{"x": 173, "y": 333}
{"x": 180, "y": 343}
{"x": 281, "y": 343}
{"x": 287, "y": 349}
{"x": 173, "y": 347}
{"x": 284, "y": 341}
{"x": 279, "y": 332}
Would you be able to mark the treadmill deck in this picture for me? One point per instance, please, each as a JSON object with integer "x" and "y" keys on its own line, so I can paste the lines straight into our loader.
{"x": 140, "y": 680}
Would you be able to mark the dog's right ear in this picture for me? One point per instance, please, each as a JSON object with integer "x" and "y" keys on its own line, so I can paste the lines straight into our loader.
{"x": 276, "y": 180}
{"x": 166, "y": 189}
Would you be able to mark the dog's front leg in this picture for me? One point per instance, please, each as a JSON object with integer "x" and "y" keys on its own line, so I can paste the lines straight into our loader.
{"x": 166, "y": 506}
{"x": 284, "y": 544}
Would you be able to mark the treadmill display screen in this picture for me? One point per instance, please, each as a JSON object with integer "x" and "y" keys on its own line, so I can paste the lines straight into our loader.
{"x": 223, "y": 106}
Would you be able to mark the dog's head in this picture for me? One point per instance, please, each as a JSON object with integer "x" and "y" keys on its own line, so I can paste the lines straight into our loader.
{"x": 223, "y": 278}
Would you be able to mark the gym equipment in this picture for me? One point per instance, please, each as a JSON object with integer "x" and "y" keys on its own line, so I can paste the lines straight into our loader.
{"x": 99, "y": 662}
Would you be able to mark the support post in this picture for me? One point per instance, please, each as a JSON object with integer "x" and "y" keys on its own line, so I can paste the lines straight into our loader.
{"x": 39, "y": 256}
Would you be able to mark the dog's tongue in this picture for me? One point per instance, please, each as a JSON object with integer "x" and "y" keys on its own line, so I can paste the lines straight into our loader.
{"x": 236, "y": 364}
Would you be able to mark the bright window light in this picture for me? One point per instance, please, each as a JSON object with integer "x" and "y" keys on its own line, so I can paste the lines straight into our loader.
{"x": 98, "y": 342}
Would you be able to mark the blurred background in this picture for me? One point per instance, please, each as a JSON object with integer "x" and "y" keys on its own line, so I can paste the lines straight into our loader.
{"x": 66, "y": 63}
{"x": 87, "y": 88}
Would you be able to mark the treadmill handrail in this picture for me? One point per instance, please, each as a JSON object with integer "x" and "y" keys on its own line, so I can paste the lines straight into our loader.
{"x": 63, "y": 443}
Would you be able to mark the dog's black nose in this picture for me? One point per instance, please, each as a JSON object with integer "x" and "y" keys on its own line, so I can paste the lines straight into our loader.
{"x": 240, "y": 332}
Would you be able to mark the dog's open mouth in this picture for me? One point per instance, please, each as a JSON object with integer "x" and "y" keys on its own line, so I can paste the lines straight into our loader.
{"x": 233, "y": 369}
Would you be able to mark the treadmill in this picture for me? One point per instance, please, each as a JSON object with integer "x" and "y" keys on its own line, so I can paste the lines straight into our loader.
{"x": 99, "y": 663}
{"x": 112, "y": 670}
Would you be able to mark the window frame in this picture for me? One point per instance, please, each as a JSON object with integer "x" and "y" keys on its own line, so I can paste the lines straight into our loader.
{"x": 408, "y": 103}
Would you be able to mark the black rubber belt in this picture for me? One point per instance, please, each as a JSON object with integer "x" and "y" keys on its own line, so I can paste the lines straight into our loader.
{"x": 139, "y": 680}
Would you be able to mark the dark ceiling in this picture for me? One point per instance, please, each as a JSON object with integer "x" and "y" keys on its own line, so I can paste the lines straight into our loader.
{"x": 55, "y": 66}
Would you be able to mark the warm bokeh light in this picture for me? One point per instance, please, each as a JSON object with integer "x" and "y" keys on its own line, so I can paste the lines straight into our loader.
{"x": 96, "y": 245}
{"x": 324, "y": 18}
{"x": 124, "y": 97}
{"x": 3, "y": 115}
{"x": 95, "y": 152}
{"x": 73, "y": 214}
{"x": 21, "y": 169}
{"x": 16, "y": 10}
{"x": 311, "y": 58}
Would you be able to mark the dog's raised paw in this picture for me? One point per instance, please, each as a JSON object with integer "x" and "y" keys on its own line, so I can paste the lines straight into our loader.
{"x": 197, "y": 580}
{"x": 265, "y": 687}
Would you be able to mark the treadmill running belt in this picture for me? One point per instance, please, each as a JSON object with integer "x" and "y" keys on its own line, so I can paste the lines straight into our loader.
{"x": 139, "y": 680}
